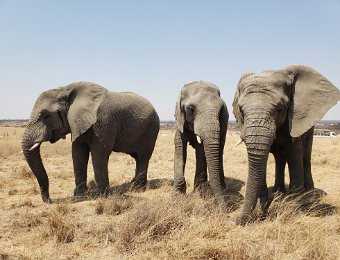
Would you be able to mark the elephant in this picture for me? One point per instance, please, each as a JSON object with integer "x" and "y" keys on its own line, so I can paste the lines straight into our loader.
{"x": 202, "y": 121}
{"x": 276, "y": 111}
{"x": 100, "y": 122}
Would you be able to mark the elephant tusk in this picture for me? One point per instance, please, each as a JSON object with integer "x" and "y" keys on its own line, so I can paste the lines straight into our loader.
{"x": 199, "y": 140}
{"x": 239, "y": 141}
{"x": 34, "y": 146}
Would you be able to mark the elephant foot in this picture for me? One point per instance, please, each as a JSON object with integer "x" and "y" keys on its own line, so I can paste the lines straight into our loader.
{"x": 296, "y": 189}
{"x": 309, "y": 186}
{"x": 137, "y": 186}
{"x": 243, "y": 219}
{"x": 265, "y": 203}
{"x": 180, "y": 186}
{"x": 204, "y": 190}
{"x": 80, "y": 190}
{"x": 175, "y": 194}
{"x": 98, "y": 192}
{"x": 279, "y": 189}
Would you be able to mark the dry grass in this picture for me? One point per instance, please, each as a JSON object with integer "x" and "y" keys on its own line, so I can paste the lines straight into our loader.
{"x": 155, "y": 223}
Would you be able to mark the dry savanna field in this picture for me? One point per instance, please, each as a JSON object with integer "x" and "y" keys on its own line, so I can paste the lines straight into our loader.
{"x": 155, "y": 224}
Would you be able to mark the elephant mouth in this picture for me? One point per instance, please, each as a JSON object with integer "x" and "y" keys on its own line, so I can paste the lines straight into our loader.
{"x": 55, "y": 136}
{"x": 189, "y": 126}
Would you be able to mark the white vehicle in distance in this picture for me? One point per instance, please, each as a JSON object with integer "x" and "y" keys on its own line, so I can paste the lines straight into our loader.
{"x": 324, "y": 133}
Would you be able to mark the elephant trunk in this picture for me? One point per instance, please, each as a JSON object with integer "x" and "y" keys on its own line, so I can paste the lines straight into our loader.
{"x": 33, "y": 158}
{"x": 210, "y": 132}
{"x": 258, "y": 139}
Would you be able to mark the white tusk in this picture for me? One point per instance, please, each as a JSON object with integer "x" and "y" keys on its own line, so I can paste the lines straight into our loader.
{"x": 239, "y": 141}
{"x": 34, "y": 146}
{"x": 199, "y": 140}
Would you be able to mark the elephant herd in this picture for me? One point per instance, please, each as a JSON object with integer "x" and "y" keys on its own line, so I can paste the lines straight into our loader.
{"x": 275, "y": 110}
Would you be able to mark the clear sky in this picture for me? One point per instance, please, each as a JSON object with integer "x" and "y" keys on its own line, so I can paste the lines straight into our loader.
{"x": 154, "y": 47}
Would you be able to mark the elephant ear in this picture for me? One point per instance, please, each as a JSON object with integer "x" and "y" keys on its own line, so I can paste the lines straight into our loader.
{"x": 312, "y": 96}
{"x": 84, "y": 99}
{"x": 179, "y": 116}
{"x": 236, "y": 108}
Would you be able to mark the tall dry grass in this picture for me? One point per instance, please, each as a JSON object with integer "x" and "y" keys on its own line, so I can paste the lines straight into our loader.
{"x": 156, "y": 223}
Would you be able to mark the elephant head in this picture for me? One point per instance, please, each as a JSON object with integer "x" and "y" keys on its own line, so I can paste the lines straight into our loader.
{"x": 200, "y": 111}
{"x": 57, "y": 112}
{"x": 296, "y": 95}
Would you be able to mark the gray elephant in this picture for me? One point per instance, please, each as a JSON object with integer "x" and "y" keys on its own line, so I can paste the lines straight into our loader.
{"x": 202, "y": 120}
{"x": 276, "y": 111}
{"x": 99, "y": 122}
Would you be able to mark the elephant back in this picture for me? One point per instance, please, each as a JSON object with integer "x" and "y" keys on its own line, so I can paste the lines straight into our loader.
{"x": 126, "y": 116}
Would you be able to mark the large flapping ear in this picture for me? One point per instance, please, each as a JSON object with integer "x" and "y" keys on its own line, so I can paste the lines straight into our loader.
{"x": 236, "y": 109}
{"x": 179, "y": 116}
{"x": 84, "y": 99}
{"x": 312, "y": 96}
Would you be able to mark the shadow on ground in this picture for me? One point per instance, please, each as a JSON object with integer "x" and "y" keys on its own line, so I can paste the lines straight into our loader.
{"x": 310, "y": 202}
{"x": 153, "y": 184}
{"x": 232, "y": 194}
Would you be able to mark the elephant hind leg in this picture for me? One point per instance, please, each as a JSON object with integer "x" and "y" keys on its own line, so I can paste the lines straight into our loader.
{"x": 100, "y": 158}
{"x": 308, "y": 143}
{"x": 139, "y": 182}
{"x": 80, "y": 156}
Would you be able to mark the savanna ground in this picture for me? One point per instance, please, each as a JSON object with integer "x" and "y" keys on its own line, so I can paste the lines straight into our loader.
{"x": 155, "y": 224}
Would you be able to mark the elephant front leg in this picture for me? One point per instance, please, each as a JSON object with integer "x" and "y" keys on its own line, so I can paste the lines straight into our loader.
{"x": 201, "y": 176}
{"x": 179, "y": 162}
{"x": 280, "y": 164}
{"x": 295, "y": 165}
{"x": 80, "y": 156}
{"x": 100, "y": 160}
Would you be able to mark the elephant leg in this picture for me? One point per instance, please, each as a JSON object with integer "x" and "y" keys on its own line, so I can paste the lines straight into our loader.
{"x": 139, "y": 182}
{"x": 222, "y": 179}
{"x": 280, "y": 164}
{"x": 295, "y": 165}
{"x": 100, "y": 158}
{"x": 224, "y": 127}
{"x": 80, "y": 156}
{"x": 308, "y": 143}
{"x": 180, "y": 158}
{"x": 201, "y": 167}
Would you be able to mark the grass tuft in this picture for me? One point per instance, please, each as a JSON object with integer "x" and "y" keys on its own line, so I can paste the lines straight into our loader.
{"x": 63, "y": 231}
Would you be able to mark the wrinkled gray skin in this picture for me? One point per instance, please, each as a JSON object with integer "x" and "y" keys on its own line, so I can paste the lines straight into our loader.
{"x": 276, "y": 111}
{"x": 200, "y": 111}
{"x": 100, "y": 122}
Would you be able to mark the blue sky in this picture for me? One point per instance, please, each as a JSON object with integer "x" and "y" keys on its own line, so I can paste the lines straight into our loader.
{"x": 154, "y": 47}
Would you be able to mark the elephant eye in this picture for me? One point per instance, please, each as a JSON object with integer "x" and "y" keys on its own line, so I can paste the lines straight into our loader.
{"x": 280, "y": 110}
{"x": 191, "y": 108}
{"x": 241, "y": 112}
